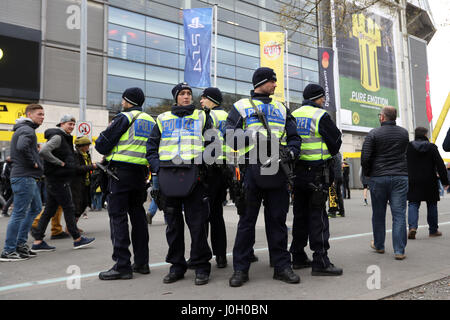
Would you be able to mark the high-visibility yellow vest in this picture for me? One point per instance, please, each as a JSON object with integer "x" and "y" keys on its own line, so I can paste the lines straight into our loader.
{"x": 132, "y": 145}
{"x": 313, "y": 147}
{"x": 275, "y": 113}
{"x": 181, "y": 136}
{"x": 219, "y": 118}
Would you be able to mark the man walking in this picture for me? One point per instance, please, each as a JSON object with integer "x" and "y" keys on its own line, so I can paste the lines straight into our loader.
{"x": 59, "y": 166}
{"x": 423, "y": 162}
{"x": 383, "y": 159}
{"x": 27, "y": 168}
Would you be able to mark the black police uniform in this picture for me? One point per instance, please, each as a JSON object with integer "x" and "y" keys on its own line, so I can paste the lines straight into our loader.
{"x": 126, "y": 196}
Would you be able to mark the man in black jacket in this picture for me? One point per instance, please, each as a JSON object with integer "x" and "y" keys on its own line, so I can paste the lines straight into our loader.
{"x": 59, "y": 167}
{"x": 26, "y": 169}
{"x": 423, "y": 162}
{"x": 383, "y": 159}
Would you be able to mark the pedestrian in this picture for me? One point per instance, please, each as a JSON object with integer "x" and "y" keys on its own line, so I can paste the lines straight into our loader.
{"x": 446, "y": 143}
{"x": 7, "y": 193}
{"x": 26, "y": 168}
{"x": 124, "y": 144}
{"x": 261, "y": 122}
{"x": 383, "y": 159}
{"x": 337, "y": 185}
{"x": 174, "y": 152}
{"x": 81, "y": 182}
{"x": 424, "y": 161}
{"x": 96, "y": 190}
{"x": 321, "y": 140}
{"x": 365, "y": 182}
{"x": 346, "y": 176}
{"x": 211, "y": 101}
{"x": 59, "y": 168}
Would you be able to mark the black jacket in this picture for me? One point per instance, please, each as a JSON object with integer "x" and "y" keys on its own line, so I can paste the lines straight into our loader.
{"x": 384, "y": 151}
{"x": 24, "y": 152}
{"x": 424, "y": 162}
{"x": 64, "y": 153}
{"x": 446, "y": 143}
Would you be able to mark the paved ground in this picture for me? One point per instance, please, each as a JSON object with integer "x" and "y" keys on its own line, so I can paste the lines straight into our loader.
{"x": 367, "y": 275}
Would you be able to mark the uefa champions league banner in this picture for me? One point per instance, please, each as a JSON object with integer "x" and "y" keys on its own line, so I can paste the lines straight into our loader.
{"x": 197, "y": 44}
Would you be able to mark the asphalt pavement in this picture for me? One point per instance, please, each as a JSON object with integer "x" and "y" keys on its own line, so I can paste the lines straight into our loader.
{"x": 73, "y": 274}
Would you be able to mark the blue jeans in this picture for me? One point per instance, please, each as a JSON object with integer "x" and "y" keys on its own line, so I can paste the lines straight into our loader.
{"x": 27, "y": 205}
{"x": 97, "y": 200}
{"x": 394, "y": 189}
{"x": 432, "y": 215}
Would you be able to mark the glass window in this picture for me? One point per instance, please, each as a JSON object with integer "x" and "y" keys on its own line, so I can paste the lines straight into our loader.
{"x": 243, "y": 88}
{"x": 244, "y": 74}
{"x": 119, "y": 84}
{"x": 226, "y": 71}
{"x": 127, "y": 35}
{"x": 247, "y": 48}
{"x": 295, "y": 60}
{"x": 126, "y": 51}
{"x": 126, "y": 18}
{"x": 182, "y": 61}
{"x": 157, "y": 41}
{"x": 310, "y": 76}
{"x": 162, "y": 27}
{"x": 114, "y": 101}
{"x": 295, "y": 84}
{"x": 159, "y": 90}
{"x": 225, "y": 43}
{"x": 226, "y": 85}
{"x": 247, "y": 62}
{"x": 310, "y": 64}
{"x": 225, "y": 56}
{"x": 161, "y": 58}
{"x": 295, "y": 72}
{"x": 295, "y": 96}
{"x": 160, "y": 74}
{"x": 126, "y": 68}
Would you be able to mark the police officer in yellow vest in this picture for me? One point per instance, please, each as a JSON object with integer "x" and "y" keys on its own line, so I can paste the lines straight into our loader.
{"x": 321, "y": 140}
{"x": 216, "y": 180}
{"x": 124, "y": 144}
{"x": 175, "y": 153}
{"x": 246, "y": 118}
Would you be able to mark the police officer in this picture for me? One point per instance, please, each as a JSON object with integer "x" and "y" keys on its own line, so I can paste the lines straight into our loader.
{"x": 124, "y": 143}
{"x": 247, "y": 114}
{"x": 175, "y": 152}
{"x": 210, "y": 101}
{"x": 321, "y": 140}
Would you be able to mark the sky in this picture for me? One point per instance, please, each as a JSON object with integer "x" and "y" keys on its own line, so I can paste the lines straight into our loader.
{"x": 439, "y": 65}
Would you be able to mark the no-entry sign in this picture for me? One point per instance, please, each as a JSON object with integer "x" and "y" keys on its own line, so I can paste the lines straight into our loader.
{"x": 84, "y": 129}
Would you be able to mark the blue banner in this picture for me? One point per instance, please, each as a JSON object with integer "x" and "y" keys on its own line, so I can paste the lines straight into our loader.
{"x": 197, "y": 44}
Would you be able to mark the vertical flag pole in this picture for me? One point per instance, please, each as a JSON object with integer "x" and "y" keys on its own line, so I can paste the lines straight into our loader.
{"x": 287, "y": 69}
{"x": 83, "y": 60}
{"x": 215, "y": 45}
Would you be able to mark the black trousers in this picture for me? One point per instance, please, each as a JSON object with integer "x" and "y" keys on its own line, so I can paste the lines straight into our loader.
{"x": 217, "y": 191}
{"x": 346, "y": 189}
{"x": 310, "y": 217}
{"x": 58, "y": 194}
{"x": 276, "y": 206}
{"x": 196, "y": 210}
{"x": 126, "y": 198}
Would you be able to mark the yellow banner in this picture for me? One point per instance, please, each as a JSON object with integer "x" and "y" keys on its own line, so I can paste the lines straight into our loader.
{"x": 272, "y": 56}
{"x": 9, "y": 112}
{"x": 440, "y": 122}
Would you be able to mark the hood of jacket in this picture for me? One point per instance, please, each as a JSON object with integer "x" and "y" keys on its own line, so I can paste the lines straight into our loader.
{"x": 182, "y": 111}
{"x": 22, "y": 121}
{"x": 421, "y": 145}
{"x": 52, "y": 131}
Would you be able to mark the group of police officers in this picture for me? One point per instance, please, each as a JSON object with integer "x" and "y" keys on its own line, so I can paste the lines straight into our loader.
{"x": 176, "y": 148}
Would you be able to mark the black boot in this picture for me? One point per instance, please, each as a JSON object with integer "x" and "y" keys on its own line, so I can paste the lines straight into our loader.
{"x": 331, "y": 270}
{"x": 302, "y": 264}
{"x": 221, "y": 261}
{"x": 238, "y": 278}
{"x": 201, "y": 278}
{"x": 172, "y": 277}
{"x": 287, "y": 275}
{"x": 112, "y": 274}
{"x": 144, "y": 269}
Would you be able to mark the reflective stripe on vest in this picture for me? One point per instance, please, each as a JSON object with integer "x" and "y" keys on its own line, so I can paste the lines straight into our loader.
{"x": 131, "y": 147}
{"x": 219, "y": 120}
{"x": 275, "y": 113}
{"x": 313, "y": 147}
{"x": 181, "y": 136}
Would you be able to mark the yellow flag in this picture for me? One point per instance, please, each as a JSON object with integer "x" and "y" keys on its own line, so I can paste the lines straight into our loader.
{"x": 272, "y": 56}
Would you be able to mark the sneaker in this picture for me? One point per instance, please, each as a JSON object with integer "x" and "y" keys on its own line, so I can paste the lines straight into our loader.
{"x": 42, "y": 247}
{"x": 400, "y": 256}
{"x": 332, "y": 215}
{"x": 24, "y": 250}
{"x": 12, "y": 256}
{"x": 436, "y": 234}
{"x": 412, "y": 234}
{"x": 83, "y": 242}
{"x": 365, "y": 202}
{"x": 372, "y": 245}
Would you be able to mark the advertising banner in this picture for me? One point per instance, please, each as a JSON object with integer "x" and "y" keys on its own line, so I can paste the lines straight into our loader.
{"x": 197, "y": 44}
{"x": 326, "y": 77}
{"x": 367, "y": 72}
{"x": 272, "y": 56}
